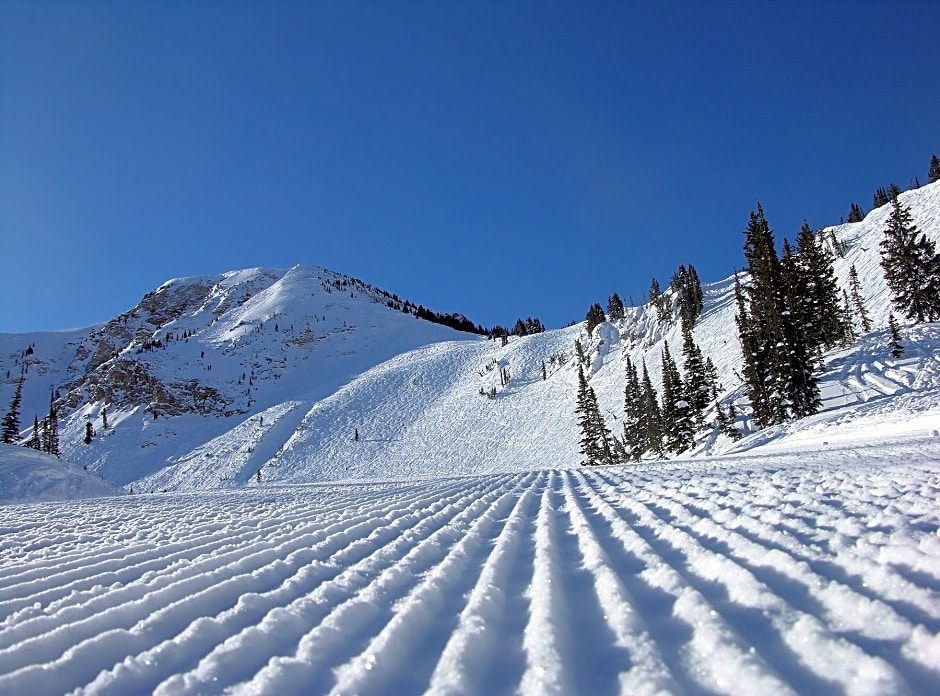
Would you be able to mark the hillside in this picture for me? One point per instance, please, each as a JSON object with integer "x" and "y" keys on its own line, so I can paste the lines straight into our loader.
{"x": 211, "y": 380}
{"x": 28, "y": 476}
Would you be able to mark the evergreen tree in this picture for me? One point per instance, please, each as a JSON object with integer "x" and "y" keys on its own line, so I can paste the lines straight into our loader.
{"x": 820, "y": 313}
{"x": 652, "y": 420}
{"x": 727, "y": 422}
{"x": 857, "y": 302}
{"x": 34, "y": 441}
{"x": 579, "y": 352}
{"x": 595, "y": 437}
{"x": 633, "y": 436}
{"x": 933, "y": 174}
{"x": 779, "y": 363}
{"x": 688, "y": 288}
{"x": 880, "y": 198}
{"x": 847, "y": 320}
{"x": 897, "y": 349}
{"x": 104, "y": 418}
{"x": 911, "y": 267}
{"x": 856, "y": 214}
{"x": 11, "y": 421}
{"x": 615, "y": 307}
{"x": 696, "y": 388}
{"x": 89, "y": 432}
{"x": 711, "y": 378}
{"x": 758, "y": 377}
{"x": 50, "y": 431}
{"x": 676, "y": 418}
{"x": 659, "y": 301}
{"x": 595, "y": 316}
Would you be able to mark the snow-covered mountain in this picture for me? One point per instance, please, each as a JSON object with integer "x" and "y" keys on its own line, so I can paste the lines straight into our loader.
{"x": 306, "y": 375}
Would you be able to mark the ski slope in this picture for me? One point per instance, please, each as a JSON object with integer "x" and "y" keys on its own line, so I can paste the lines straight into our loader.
{"x": 810, "y": 571}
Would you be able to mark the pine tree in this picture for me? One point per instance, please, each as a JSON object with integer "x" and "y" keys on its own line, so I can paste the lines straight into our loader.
{"x": 633, "y": 435}
{"x": 89, "y": 432}
{"x": 758, "y": 377}
{"x": 595, "y": 316}
{"x": 880, "y": 198}
{"x": 857, "y": 302}
{"x": 847, "y": 314}
{"x": 659, "y": 301}
{"x": 911, "y": 267}
{"x": 820, "y": 312}
{"x": 615, "y": 307}
{"x": 579, "y": 352}
{"x": 727, "y": 422}
{"x": 688, "y": 288}
{"x": 933, "y": 174}
{"x": 34, "y": 441}
{"x": 856, "y": 214}
{"x": 104, "y": 418}
{"x": 678, "y": 428}
{"x": 779, "y": 363}
{"x": 897, "y": 348}
{"x": 696, "y": 389}
{"x": 11, "y": 421}
{"x": 595, "y": 437}
{"x": 50, "y": 431}
{"x": 652, "y": 419}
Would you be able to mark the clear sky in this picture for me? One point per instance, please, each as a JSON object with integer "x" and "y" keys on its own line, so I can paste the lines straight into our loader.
{"x": 499, "y": 159}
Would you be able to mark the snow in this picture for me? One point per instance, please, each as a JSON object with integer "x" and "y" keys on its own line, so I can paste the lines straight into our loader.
{"x": 807, "y": 571}
{"x": 411, "y": 534}
{"x": 28, "y": 476}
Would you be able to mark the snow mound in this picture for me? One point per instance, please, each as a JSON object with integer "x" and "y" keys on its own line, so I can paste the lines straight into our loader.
{"x": 28, "y": 476}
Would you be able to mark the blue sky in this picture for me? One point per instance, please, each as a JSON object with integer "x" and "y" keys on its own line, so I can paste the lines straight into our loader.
{"x": 496, "y": 159}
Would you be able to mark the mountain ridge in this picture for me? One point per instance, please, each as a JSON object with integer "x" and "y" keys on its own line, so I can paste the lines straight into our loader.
{"x": 212, "y": 379}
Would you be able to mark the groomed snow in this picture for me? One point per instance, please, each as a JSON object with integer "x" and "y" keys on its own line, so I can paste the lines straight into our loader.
{"x": 809, "y": 571}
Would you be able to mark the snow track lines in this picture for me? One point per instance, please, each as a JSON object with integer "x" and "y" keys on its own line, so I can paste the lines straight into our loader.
{"x": 757, "y": 577}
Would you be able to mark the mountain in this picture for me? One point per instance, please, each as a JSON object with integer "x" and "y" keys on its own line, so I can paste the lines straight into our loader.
{"x": 307, "y": 375}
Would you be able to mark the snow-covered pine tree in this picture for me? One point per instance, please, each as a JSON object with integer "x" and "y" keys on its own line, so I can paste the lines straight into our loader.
{"x": 595, "y": 316}
{"x": 758, "y": 377}
{"x": 633, "y": 435}
{"x": 652, "y": 423}
{"x": 685, "y": 283}
{"x": 933, "y": 174}
{"x": 678, "y": 427}
{"x": 659, "y": 301}
{"x": 911, "y": 266}
{"x": 615, "y": 307}
{"x": 897, "y": 348}
{"x": 696, "y": 389}
{"x": 595, "y": 437}
{"x": 11, "y": 421}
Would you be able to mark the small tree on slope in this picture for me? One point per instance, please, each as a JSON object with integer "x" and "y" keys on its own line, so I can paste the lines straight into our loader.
{"x": 911, "y": 267}
{"x": 11, "y": 421}
{"x": 595, "y": 437}
{"x": 897, "y": 348}
{"x": 933, "y": 174}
